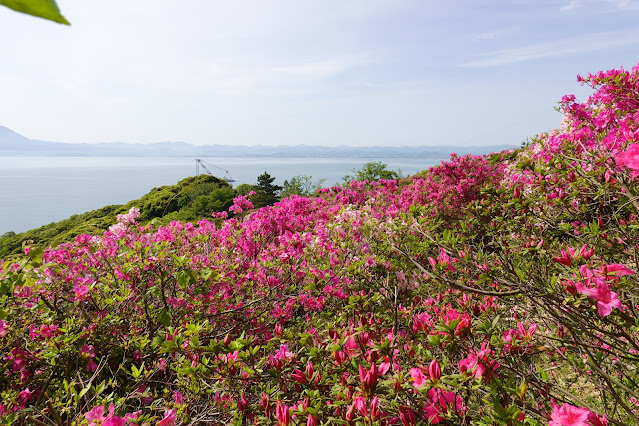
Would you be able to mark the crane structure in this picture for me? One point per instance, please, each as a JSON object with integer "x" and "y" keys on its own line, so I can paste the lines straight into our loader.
{"x": 200, "y": 163}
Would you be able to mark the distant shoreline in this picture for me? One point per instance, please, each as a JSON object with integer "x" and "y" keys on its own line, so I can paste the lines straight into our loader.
{"x": 13, "y": 144}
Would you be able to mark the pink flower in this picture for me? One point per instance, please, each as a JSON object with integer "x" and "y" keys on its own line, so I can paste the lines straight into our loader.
{"x": 418, "y": 377}
{"x": 299, "y": 377}
{"x": 282, "y": 413}
{"x": 309, "y": 370}
{"x": 240, "y": 203}
{"x": 368, "y": 379}
{"x": 565, "y": 258}
{"x": 606, "y": 299}
{"x": 434, "y": 371}
{"x": 25, "y": 395}
{"x": 311, "y": 421}
{"x": 283, "y": 353}
{"x": 407, "y": 416}
{"x": 440, "y": 402}
{"x": 630, "y": 159}
{"x": 162, "y": 364}
{"x": 81, "y": 291}
{"x": 568, "y": 415}
{"x": 114, "y": 421}
{"x": 375, "y": 414}
{"x": 351, "y": 345}
{"x": 169, "y": 419}
{"x": 360, "y": 405}
{"x": 478, "y": 364}
{"x": 95, "y": 415}
{"x": 132, "y": 417}
{"x": 91, "y": 366}
{"x": 595, "y": 420}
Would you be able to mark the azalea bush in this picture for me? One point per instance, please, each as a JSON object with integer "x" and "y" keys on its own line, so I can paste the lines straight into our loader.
{"x": 486, "y": 290}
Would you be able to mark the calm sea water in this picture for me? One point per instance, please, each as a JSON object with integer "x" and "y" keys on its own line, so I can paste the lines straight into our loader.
{"x": 37, "y": 191}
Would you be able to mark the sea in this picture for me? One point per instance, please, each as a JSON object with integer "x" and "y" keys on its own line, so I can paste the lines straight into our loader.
{"x": 36, "y": 191}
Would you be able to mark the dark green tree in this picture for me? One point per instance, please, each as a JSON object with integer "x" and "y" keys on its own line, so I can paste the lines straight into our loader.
{"x": 267, "y": 192}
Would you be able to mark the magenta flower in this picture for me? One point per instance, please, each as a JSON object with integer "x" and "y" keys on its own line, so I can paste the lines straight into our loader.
{"x": 440, "y": 402}
{"x": 407, "y": 416}
{"x": 283, "y": 353}
{"x": 434, "y": 371}
{"x": 418, "y": 377}
{"x": 606, "y": 299}
{"x": 81, "y": 291}
{"x": 25, "y": 395}
{"x": 360, "y": 405}
{"x": 568, "y": 415}
{"x": 630, "y": 159}
{"x": 282, "y": 413}
{"x": 368, "y": 379}
{"x": 95, "y": 415}
{"x": 299, "y": 377}
{"x": 169, "y": 419}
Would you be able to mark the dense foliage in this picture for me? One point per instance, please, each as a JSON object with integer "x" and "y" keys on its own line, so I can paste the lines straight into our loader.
{"x": 373, "y": 170}
{"x": 486, "y": 291}
{"x": 303, "y": 185}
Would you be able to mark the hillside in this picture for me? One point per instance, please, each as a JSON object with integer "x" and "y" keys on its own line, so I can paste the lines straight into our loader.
{"x": 191, "y": 199}
{"x": 489, "y": 290}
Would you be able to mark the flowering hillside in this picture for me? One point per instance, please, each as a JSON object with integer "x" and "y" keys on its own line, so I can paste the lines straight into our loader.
{"x": 485, "y": 291}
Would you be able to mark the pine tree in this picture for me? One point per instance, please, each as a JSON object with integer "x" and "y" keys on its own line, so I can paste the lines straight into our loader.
{"x": 267, "y": 193}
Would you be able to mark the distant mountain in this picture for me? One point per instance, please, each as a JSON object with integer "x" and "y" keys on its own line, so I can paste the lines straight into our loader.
{"x": 13, "y": 144}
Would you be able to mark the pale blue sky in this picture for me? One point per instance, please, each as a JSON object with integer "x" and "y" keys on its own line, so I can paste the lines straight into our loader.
{"x": 319, "y": 72}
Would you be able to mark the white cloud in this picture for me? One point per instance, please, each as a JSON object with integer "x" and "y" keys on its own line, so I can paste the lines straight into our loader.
{"x": 573, "y": 4}
{"x": 564, "y": 47}
{"x": 619, "y": 4}
{"x": 492, "y": 35}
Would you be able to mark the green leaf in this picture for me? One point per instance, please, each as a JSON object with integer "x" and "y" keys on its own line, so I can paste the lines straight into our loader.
{"x": 47, "y": 9}
{"x": 136, "y": 372}
{"x": 186, "y": 277}
{"x": 165, "y": 318}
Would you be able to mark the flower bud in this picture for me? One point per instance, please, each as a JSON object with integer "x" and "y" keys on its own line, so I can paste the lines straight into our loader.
{"x": 434, "y": 371}
{"x": 309, "y": 370}
{"x": 299, "y": 377}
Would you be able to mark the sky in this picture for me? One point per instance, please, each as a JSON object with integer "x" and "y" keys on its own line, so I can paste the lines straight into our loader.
{"x": 316, "y": 72}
